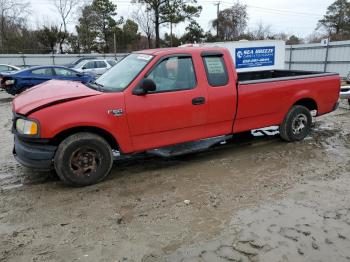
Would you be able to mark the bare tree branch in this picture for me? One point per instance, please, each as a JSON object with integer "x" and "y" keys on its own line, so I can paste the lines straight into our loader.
{"x": 144, "y": 18}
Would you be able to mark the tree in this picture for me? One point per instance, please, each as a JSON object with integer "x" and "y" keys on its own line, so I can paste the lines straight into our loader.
{"x": 337, "y": 19}
{"x": 169, "y": 40}
{"x": 97, "y": 26}
{"x": 12, "y": 14}
{"x": 177, "y": 11}
{"x": 262, "y": 32}
{"x": 104, "y": 11}
{"x": 293, "y": 40}
{"x": 86, "y": 30}
{"x": 315, "y": 37}
{"x": 130, "y": 34}
{"x": 169, "y": 11}
{"x": 65, "y": 9}
{"x": 231, "y": 22}
{"x": 74, "y": 43}
{"x": 209, "y": 37}
{"x": 49, "y": 37}
{"x": 145, "y": 21}
{"x": 194, "y": 33}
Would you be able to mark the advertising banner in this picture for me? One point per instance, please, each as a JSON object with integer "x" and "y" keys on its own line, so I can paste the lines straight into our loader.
{"x": 255, "y": 57}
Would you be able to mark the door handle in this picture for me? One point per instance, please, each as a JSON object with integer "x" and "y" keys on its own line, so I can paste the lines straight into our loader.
{"x": 198, "y": 101}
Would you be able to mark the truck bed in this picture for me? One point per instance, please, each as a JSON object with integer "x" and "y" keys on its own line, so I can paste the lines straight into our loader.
{"x": 277, "y": 75}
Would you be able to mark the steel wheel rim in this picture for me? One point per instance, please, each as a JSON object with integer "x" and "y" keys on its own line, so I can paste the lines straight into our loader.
{"x": 299, "y": 124}
{"x": 84, "y": 161}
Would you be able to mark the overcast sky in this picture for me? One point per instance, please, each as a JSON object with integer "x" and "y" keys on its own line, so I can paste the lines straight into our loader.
{"x": 297, "y": 17}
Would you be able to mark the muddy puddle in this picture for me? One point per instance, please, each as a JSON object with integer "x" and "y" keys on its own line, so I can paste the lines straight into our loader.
{"x": 253, "y": 199}
{"x": 311, "y": 224}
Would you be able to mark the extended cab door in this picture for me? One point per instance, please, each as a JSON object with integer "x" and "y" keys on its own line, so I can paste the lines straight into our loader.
{"x": 175, "y": 112}
{"x": 221, "y": 83}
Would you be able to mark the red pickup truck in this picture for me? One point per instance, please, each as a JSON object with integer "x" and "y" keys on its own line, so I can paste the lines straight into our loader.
{"x": 163, "y": 101}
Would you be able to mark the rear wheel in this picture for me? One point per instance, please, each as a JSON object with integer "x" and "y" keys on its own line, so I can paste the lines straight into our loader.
{"x": 296, "y": 125}
{"x": 83, "y": 159}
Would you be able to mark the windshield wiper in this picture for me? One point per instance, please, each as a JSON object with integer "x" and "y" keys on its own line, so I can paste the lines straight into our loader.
{"x": 95, "y": 85}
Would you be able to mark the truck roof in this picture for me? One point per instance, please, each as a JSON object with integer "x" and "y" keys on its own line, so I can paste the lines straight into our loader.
{"x": 176, "y": 50}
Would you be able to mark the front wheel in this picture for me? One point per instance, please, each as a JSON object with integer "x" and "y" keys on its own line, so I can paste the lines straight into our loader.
{"x": 296, "y": 125}
{"x": 83, "y": 159}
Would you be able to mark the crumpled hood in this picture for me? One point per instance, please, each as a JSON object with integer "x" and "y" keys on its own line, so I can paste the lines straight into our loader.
{"x": 50, "y": 93}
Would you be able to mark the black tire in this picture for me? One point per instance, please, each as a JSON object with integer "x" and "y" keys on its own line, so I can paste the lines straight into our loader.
{"x": 83, "y": 159}
{"x": 296, "y": 125}
{"x": 349, "y": 102}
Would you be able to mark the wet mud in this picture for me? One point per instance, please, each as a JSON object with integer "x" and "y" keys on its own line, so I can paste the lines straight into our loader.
{"x": 253, "y": 199}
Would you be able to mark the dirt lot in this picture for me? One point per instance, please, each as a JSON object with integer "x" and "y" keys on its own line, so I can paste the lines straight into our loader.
{"x": 251, "y": 200}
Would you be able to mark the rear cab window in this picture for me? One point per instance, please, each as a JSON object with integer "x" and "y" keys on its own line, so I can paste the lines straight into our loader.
{"x": 215, "y": 69}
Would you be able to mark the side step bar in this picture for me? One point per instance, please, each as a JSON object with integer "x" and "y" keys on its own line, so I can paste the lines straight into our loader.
{"x": 189, "y": 147}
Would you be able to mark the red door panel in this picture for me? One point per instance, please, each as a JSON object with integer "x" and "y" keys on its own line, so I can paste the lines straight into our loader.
{"x": 169, "y": 115}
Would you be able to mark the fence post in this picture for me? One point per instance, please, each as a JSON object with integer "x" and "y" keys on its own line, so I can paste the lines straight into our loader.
{"x": 326, "y": 58}
{"x": 24, "y": 59}
{"x": 53, "y": 59}
{"x": 290, "y": 57}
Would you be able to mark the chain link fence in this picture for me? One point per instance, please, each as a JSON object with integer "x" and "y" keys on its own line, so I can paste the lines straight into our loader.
{"x": 50, "y": 59}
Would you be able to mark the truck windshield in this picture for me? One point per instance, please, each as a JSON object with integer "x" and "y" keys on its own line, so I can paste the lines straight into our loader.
{"x": 120, "y": 76}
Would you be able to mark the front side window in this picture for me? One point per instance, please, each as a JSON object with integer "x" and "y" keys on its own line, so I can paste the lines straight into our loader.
{"x": 64, "y": 72}
{"x": 174, "y": 73}
{"x": 216, "y": 70}
{"x": 122, "y": 74}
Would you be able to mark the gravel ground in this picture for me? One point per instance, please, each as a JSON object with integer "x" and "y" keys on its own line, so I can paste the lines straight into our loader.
{"x": 253, "y": 199}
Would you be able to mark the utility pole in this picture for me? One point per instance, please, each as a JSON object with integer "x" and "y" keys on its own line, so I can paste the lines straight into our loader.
{"x": 217, "y": 19}
{"x": 115, "y": 44}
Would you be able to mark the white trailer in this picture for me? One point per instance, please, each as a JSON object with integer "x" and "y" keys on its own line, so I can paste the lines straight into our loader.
{"x": 255, "y": 55}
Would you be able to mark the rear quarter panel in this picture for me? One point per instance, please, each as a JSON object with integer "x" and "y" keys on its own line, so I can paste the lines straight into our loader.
{"x": 266, "y": 103}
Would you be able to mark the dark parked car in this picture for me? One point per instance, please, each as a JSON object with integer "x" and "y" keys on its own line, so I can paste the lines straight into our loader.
{"x": 16, "y": 82}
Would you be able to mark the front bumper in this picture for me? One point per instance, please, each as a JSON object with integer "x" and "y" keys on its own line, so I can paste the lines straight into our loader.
{"x": 33, "y": 154}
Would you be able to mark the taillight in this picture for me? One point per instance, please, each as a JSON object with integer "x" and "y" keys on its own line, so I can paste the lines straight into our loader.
{"x": 9, "y": 82}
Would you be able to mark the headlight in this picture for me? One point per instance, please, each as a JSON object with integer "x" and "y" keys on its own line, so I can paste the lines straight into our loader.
{"x": 27, "y": 127}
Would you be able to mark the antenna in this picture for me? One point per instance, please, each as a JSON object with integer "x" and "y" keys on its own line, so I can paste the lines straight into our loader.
{"x": 217, "y": 18}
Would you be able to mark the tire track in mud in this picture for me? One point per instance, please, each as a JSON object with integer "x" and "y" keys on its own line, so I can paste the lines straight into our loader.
{"x": 139, "y": 213}
{"x": 311, "y": 224}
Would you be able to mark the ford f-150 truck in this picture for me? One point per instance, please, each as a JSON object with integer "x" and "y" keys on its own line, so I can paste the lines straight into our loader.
{"x": 162, "y": 101}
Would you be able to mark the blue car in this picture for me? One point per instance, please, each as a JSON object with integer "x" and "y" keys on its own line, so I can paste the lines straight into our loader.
{"x": 16, "y": 82}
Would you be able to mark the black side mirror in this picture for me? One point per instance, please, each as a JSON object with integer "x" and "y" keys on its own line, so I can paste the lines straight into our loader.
{"x": 146, "y": 85}
{"x": 83, "y": 67}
